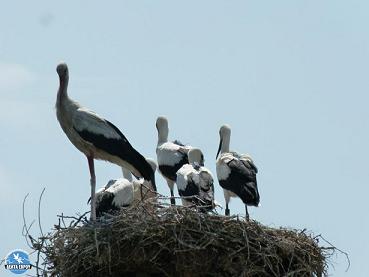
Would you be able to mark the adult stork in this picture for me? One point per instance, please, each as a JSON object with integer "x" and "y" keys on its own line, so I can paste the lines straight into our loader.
{"x": 236, "y": 173}
{"x": 171, "y": 156}
{"x": 195, "y": 182}
{"x": 96, "y": 137}
{"x": 123, "y": 192}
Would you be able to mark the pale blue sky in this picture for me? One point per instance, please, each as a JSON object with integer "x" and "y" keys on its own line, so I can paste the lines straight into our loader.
{"x": 290, "y": 77}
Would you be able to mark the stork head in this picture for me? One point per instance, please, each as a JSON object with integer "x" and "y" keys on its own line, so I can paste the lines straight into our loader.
{"x": 162, "y": 127}
{"x": 225, "y": 135}
{"x": 62, "y": 70}
{"x": 225, "y": 131}
{"x": 195, "y": 156}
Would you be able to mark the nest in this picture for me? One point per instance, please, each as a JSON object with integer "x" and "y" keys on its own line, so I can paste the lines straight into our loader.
{"x": 179, "y": 241}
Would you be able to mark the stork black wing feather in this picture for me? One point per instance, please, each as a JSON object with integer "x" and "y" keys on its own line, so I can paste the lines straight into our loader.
{"x": 122, "y": 149}
{"x": 242, "y": 182}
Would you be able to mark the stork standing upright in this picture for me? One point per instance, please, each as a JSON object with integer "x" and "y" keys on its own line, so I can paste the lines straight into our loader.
{"x": 236, "y": 173}
{"x": 96, "y": 137}
{"x": 171, "y": 155}
{"x": 195, "y": 183}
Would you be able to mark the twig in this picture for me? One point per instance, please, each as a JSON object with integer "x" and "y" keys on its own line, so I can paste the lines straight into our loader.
{"x": 332, "y": 247}
{"x": 25, "y": 229}
{"x": 39, "y": 212}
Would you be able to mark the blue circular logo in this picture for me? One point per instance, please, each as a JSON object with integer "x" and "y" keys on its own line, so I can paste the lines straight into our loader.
{"x": 17, "y": 261}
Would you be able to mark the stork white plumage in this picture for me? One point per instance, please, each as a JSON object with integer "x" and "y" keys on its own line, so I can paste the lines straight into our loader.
{"x": 171, "y": 156}
{"x": 96, "y": 137}
{"x": 116, "y": 194}
{"x": 123, "y": 192}
{"x": 236, "y": 173}
{"x": 195, "y": 182}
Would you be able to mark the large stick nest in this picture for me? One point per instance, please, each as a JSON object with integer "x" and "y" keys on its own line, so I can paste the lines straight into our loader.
{"x": 178, "y": 241}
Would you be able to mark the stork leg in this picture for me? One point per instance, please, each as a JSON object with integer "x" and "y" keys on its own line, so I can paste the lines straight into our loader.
{"x": 227, "y": 198}
{"x": 171, "y": 187}
{"x": 93, "y": 187}
{"x": 227, "y": 210}
{"x": 247, "y": 213}
{"x": 172, "y": 200}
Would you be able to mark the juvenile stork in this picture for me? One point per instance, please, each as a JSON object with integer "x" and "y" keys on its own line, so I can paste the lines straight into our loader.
{"x": 236, "y": 173}
{"x": 171, "y": 156}
{"x": 96, "y": 137}
{"x": 195, "y": 182}
{"x": 123, "y": 192}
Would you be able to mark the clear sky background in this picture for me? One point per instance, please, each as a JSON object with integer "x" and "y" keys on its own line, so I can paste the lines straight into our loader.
{"x": 290, "y": 77}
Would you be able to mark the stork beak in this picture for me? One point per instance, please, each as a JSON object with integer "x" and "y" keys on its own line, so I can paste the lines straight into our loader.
{"x": 220, "y": 146}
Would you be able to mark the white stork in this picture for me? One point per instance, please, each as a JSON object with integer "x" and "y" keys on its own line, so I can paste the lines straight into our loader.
{"x": 195, "y": 182}
{"x": 236, "y": 173}
{"x": 171, "y": 156}
{"x": 96, "y": 137}
{"x": 123, "y": 192}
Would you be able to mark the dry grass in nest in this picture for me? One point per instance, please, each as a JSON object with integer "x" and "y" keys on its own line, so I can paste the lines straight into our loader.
{"x": 179, "y": 241}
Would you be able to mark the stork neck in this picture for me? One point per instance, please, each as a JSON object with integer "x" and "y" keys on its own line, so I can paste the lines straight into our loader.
{"x": 63, "y": 87}
{"x": 163, "y": 135}
{"x": 127, "y": 174}
{"x": 225, "y": 144}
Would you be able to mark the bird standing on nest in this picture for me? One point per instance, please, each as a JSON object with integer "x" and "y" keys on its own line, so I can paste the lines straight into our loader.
{"x": 171, "y": 155}
{"x": 236, "y": 173}
{"x": 195, "y": 182}
{"x": 96, "y": 137}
